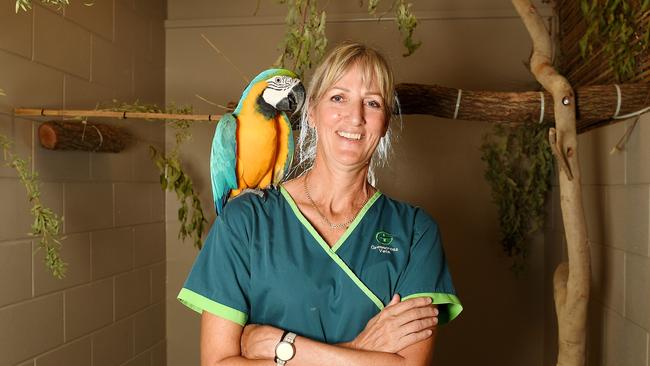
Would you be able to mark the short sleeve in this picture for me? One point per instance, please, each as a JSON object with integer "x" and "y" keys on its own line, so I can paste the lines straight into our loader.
{"x": 220, "y": 278}
{"x": 426, "y": 274}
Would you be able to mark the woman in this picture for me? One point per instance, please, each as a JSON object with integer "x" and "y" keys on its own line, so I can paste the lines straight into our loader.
{"x": 326, "y": 269}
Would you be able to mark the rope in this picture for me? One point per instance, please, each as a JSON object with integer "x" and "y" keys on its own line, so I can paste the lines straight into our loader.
{"x": 618, "y": 100}
{"x": 618, "y": 107}
{"x": 83, "y": 133}
{"x": 99, "y": 133}
{"x": 101, "y": 138}
{"x": 541, "y": 108}
{"x": 633, "y": 114}
{"x": 460, "y": 93}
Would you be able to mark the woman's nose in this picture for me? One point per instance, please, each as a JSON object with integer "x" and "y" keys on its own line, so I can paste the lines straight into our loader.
{"x": 356, "y": 113}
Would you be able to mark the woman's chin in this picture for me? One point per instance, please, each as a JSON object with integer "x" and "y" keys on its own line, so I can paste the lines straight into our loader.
{"x": 350, "y": 159}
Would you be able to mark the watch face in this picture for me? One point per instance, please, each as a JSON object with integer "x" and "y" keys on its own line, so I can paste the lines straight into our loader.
{"x": 284, "y": 351}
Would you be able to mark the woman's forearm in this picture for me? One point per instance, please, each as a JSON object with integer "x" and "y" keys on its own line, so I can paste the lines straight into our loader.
{"x": 242, "y": 361}
{"x": 310, "y": 352}
{"x": 224, "y": 343}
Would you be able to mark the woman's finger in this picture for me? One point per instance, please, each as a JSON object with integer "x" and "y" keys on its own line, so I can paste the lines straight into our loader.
{"x": 418, "y": 325}
{"x": 417, "y": 313}
{"x": 408, "y": 304}
{"x": 415, "y": 338}
{"x": 394, "y": 300}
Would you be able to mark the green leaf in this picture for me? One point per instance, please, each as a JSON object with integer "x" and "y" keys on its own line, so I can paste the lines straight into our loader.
{"x": 584, "y": 6}
{"x": 372, "y": 6}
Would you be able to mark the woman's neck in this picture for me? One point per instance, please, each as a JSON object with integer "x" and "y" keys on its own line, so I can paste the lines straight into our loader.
{"x": 337, "y": 190}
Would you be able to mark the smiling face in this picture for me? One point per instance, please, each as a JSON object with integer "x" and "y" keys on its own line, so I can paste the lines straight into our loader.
{"x": 350, "y": 119}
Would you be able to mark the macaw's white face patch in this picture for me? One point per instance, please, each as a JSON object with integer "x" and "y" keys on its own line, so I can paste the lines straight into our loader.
{"x": 278, "y": 89}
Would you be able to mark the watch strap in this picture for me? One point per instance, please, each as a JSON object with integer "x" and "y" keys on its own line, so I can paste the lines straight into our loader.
{"x": 284, "y": 335}
{"x": 289, "y": 337}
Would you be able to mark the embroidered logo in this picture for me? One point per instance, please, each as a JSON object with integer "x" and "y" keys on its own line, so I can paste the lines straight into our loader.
{"x": 383, "y": 243}
{"x": 384, "y": 238}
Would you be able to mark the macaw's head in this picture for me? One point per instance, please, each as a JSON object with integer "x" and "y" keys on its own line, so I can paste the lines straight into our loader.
{"x": 274, "y": 91}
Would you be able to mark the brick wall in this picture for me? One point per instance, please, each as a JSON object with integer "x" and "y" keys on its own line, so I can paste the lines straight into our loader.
{"x": 616, "y": 191}
{"x": 109, "y": 309}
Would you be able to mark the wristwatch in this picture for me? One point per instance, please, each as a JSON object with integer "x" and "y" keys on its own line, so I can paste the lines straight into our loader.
{"x": 285, "y": 350}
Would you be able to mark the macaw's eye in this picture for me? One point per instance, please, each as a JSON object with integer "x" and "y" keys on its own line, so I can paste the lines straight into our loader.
{"x": 277, "y": 79}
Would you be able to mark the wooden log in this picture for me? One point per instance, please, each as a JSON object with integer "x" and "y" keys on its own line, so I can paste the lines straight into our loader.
{"x": 596, "y": 104}
{"x": 86, "y": 136}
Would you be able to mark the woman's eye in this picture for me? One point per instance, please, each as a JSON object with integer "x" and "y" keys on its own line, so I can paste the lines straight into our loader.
{"x": 374, "y": 104}
{"x": 337, "y": 98}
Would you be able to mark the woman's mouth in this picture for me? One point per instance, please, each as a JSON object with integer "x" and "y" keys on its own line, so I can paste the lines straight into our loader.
{"x": 349, "y": 135}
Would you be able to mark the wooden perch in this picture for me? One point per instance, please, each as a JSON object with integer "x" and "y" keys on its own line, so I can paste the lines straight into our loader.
{"x": 85, "y": 136}
{"x": 71, "y": 113}
{"x": 595, "y": 105}
{"x": 571, "y": 280}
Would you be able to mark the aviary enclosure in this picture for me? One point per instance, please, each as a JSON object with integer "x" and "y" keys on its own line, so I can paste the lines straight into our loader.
{"x": 591, "y": 63}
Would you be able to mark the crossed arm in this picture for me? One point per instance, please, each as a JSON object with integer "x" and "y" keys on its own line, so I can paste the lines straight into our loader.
{"x": 403, "y": 333}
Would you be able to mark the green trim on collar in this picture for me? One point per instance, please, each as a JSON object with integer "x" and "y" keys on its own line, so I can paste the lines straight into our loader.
{"x": 454, "y": 307}
{"x": 331, "y": 251}
{"x": 201, "y": 303}
{"x": 356, "y": 221}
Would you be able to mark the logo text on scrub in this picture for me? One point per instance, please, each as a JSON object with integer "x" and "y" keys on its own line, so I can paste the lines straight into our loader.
{"x": 384, "y": 240}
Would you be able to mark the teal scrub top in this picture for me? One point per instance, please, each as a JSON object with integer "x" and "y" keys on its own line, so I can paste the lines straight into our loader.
{"x": 264, "y": 263}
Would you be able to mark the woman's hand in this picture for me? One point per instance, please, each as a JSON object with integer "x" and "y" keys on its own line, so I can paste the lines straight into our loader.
{"x": 398, "y": 326}
{"x": 258, "y": 341}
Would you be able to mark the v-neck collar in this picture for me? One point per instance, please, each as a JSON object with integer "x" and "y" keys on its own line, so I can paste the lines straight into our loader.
{"x": 312, "y": 230}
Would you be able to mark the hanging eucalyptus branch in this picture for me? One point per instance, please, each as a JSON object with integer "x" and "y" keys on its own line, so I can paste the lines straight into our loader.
{"x": 406, "y": 22}
{"x": 26, "y": 5}
{"x": 519, "y": 167}
{"x": 616, "y": 26}
{"x": 46, "y": 223}
{"x": 172, "y": 176}
{"x": 305, "y": 41}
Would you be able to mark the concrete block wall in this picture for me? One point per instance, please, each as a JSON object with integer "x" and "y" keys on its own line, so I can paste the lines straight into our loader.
{"x": 616, "y": 196}
{"x": 109, "y": 310}
{"x": 470, "y": 44}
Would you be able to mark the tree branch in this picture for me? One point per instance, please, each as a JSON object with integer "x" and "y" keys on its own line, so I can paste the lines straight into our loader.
{"x": 571, "y": 282}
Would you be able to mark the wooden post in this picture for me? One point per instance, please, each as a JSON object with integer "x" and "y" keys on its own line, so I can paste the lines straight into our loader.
{"x": 571, "y": 280}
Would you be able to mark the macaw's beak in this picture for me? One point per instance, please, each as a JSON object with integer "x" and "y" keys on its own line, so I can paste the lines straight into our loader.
{"x": 294, "y": 100}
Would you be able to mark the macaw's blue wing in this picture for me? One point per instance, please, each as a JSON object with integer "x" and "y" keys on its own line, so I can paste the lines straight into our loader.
{"x": 223, "y": 160}
{"x": 285, "y": 149}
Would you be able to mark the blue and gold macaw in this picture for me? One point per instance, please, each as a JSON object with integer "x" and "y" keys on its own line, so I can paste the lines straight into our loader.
{"x": 253, "y": 146}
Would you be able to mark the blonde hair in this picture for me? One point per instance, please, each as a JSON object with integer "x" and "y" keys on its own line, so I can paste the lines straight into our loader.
{"x": 375, "y": 68}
